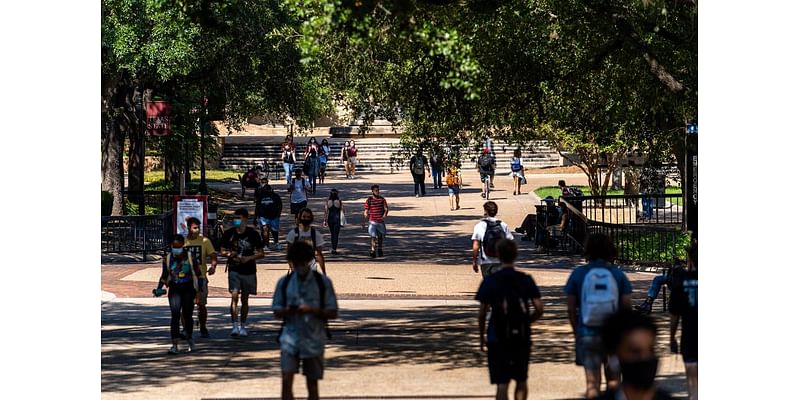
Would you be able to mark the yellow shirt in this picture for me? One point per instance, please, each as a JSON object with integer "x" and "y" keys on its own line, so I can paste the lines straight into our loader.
{"x": 201, "y": 248}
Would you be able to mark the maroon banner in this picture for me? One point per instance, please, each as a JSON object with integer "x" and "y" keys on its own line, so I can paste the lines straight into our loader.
{"x": 159, "y": 120}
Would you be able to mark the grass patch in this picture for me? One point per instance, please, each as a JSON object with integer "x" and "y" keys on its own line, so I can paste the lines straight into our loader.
{"x": 555, "y": 191}
{"x": 155, "y": 179}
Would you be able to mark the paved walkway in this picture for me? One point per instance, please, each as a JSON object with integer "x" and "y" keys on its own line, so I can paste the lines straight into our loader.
{"x": 407, "y": 326}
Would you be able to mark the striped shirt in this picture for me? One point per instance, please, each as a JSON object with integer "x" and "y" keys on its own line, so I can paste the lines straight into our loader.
{"x": 376, "y": 208}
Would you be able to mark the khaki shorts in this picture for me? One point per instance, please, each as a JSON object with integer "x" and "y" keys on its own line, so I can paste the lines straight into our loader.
{"x": 202, "y": 290}
{"x": 313, "y": 368}
{"x": 245, "y": 284}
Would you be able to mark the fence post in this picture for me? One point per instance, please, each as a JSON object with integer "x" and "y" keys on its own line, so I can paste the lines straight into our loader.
{"x": 144, "y": 242}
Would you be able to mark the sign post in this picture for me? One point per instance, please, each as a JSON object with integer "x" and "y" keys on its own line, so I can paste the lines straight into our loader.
{"x": 190, "y": 206}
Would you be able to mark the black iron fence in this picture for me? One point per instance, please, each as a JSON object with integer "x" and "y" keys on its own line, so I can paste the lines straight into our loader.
{"x": 631, "y": 209}
{"x": 640, "y": 237}
{"x": 135, "y": 233}
{"x": 157, "y": 201}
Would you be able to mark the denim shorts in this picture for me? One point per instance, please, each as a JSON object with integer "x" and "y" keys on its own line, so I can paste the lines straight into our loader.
{"x": 589, "y": 352}
{"x": 313, "y": 368}
{"x": 453, "y": 190}
{"x": 274, "y": 223}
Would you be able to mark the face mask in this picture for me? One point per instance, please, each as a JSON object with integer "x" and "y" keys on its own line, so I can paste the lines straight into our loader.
{"x": 237, "y": 223}
{"x": 639, "y": 374}
{"x": 177, "y": 251}
{"x": 305, "y": 222}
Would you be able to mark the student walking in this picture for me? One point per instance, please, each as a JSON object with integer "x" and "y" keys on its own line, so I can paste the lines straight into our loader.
{"x": 287, "y": 155}
{"x": 517, "y": 171}
{"x": 594, "y": 292}
{"x": 485, "y": 236}
{"x": 304, "y": 232}
{"x": 300, "y": 188}
{"x": 268, "y": 214}
{"x": 515, "y": 302}
{"x": 418, "y": 165}
{"x": 201, "y": 249}
{"x": 324, "y": 153}
{"x": 179, "y": 274}
{"x": 375, "y": 211}
{"x": 304, "y": 301}
{"x": 334, "y": 218}
{"x": 683, "y": 309}
{"x": 243, "y": 246}
{"x": 454, "y": 187}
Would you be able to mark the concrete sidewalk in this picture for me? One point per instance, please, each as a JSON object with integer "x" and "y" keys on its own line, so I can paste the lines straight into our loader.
{"x": 407, "y": 326}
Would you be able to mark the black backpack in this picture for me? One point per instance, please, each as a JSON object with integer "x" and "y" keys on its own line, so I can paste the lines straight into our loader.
{"x": 511, "y": 310}
{"x": 419, "y": 165}
{"x": 493, "y": 234}
{"x": 485, "y": 161}
{"x": 313, "y": 236}
{"x": 320, "y": 287}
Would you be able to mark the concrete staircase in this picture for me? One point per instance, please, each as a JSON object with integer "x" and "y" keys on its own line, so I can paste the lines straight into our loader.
{"x": 376, "y": 155}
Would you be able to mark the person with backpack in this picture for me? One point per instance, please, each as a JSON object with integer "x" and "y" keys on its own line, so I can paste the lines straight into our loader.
{"x": 485, "y": 236}
{"x": 352, "y": 159}
{"x": 201, "y": 249}
{"x": 324, "y": 153}
{"x": 268, "y": 214}
{"x": 454, "y": 184}
{"x": 300, "y": 188}
{"x": 311, "y": 163}
{"x": 683, "y": 308}
{"x": 594, "y": 292}
{"x": 486, "y": 167}
{"x": 334, "y": 218}
{"x": 179, "y": 273}
{"x": 515, "y": 302}
{"x": 517, "y": 171}
{"x": 304, "y": 232}
{"x": 304, "y": 301}
{"x": 418, "y": 165}
{"x": 287, "y": 155}
{"x": 242, "y": 246}
{"x": 375, "y": 211}
{"x": 437, "y": 168}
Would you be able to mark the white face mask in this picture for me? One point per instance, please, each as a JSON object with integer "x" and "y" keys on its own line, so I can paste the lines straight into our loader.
{"x": 177, "y": 251}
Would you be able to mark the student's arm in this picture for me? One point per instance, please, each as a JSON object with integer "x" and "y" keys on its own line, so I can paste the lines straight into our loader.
{"x": 482, "y": 325}
{"x": 385, "y": 208}
{"x": 538, "y": 309}
{"x": 673, "y": 329}
{"x": 476, "y": 247}
{"x": 327, "y": 211}
{"x": 626, "y": 302}
{"x": 163, "y": 279}
{"x": 572, "y": 311}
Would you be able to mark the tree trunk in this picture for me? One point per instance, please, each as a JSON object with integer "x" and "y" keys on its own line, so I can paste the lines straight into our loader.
{"x": 111, "y": 145}
{"x": 136, "y": 141}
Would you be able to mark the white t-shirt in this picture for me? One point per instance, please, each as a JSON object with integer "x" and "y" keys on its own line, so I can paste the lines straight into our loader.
{"x": 477, "y": 234}
{"x": 299, "y": 194}
{"x": 306, "y": 236}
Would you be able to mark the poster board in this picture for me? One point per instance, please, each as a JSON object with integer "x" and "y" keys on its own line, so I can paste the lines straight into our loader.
{"x": 190, "y": 206}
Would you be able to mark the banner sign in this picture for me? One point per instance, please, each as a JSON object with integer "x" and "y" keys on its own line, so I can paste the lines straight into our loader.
{"x": 190, "y": 206}
{"x": 159, "y": 119}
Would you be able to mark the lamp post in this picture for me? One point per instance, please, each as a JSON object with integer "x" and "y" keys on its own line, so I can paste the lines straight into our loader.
{"x": 203, "y": 110}
{"x": 690, "y": 200}
{"x": 141, "y": 111}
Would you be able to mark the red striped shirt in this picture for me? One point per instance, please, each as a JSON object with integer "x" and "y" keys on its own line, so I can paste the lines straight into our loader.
{"x": 376, "y": 208}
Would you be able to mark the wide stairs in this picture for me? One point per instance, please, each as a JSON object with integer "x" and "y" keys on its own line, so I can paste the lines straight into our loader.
{"x": 375, "y": 155}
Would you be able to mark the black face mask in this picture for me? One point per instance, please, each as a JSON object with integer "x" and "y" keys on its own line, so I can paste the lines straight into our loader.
{"x": 305, "y": 222}
{"x": 639, "y": 374}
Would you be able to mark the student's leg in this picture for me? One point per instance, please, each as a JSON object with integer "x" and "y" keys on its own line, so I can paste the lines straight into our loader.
{"x": 287, "y": 379}
{"x": 245, "y": 306}
{"x": 187, "y": 309}
{"x": 612, "y": 375}
{"x": 521, "y": 390}
{"x": 334, "y": 235}
{"x": 313, "y": 388}
{"x": 502, "y": 391}
{"x": 175, "y": 313}
{"x": 691, "y": 379}
{"x": 592, "y": 382}
{"x": 235, "y": 307}
{"x": 452, "y": 198}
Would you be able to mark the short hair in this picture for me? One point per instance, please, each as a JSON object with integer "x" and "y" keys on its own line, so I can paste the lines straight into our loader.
{"x": 178, "y": 238}
{"x": 620, "y": 324}
{"x": 375, "y": 187}
{"x": 241, "y": 211}
{"x": 490, "y": 207}
{"x": 562, "y": 183}
{"x": 599, "y": 246}
{"x": 300, "y": 253}
{"x": 193, "y": 221}
{"x": 507, "y": 251}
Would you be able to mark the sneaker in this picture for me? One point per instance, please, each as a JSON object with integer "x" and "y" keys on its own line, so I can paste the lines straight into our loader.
{"x": 416, "y": 195}
{"x": 235, "y": 331}
{"x": 380, "y": 252}
{"x": 645, "y": 307}
{"x": 173, "y": 349}
{"x": 491, "y": 185}
{"x": 278, "y": 246}
{"x": 242, "y": 331}
{"x": 372, "y": 254}
{"x": 204, "y": 333}
{"x": 519, "y": 230}
{"x": 191, "y": 346}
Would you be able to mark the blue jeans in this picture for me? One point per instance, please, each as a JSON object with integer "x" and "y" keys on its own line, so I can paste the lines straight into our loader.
{"x": 656, "y": 286}
{"x": 288, "y": 168}
{"x": 437, "y": 178}
{"x": 647, "y": 207}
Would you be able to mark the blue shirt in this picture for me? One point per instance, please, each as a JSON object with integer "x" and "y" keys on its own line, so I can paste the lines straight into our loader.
{"x": 575, "y": 285}
{"x": 304, "y": 335}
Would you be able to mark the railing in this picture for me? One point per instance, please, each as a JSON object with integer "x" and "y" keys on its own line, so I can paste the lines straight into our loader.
{"x": 135, "y": 233}
{"x": 638, "y": 239}
{"x": 631, "y": 209}
{"x": 160, "y": 200}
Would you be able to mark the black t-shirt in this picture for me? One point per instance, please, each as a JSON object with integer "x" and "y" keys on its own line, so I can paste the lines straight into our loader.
{"x": 268, "y": 205}
{"x": 683, "y": 301}
{"x": 244, "y": 244}
{"x": 494, "y": 286}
